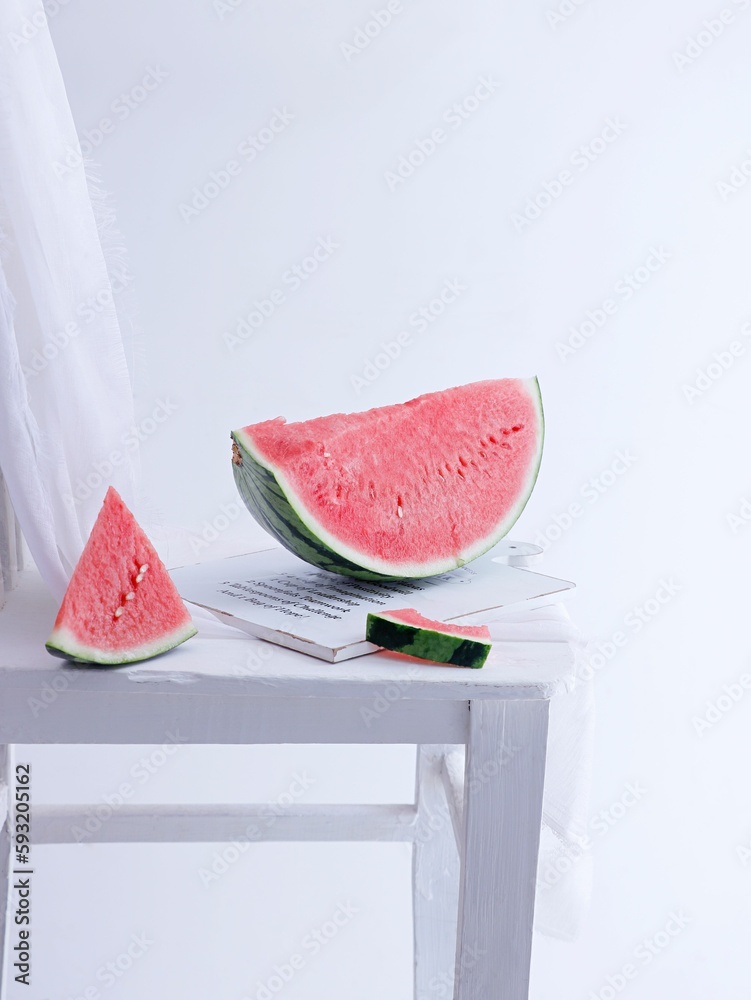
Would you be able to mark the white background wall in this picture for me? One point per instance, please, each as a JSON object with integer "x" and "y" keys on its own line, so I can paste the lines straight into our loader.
{"x": 683, "y": 128}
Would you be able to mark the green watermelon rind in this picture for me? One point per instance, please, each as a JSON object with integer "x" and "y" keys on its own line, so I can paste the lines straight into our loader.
{"x": 62, "y": 642}
{"x": 267, "y": 502}
{"x": 274, "y": 504}
{"x": 425, "y": 643}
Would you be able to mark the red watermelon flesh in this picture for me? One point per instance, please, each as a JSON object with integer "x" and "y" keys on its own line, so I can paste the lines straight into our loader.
{"x": 121, "y": 604}
{"x": 412, "y": 489}
{"x": 409, "y": 616}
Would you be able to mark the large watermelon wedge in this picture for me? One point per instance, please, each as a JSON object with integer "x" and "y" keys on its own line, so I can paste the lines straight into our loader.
{"x": 121, "y": 604}
{"x": 410, "y": 490}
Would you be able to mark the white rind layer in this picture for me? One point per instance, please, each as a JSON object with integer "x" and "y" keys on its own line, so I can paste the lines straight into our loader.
{"x": 406, "y": 570}
{"x": 64, "y": 642}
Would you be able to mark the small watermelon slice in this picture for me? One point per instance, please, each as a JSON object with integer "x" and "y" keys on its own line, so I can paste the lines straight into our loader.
{"x": 121, "y": 604}
{"x": 407, "y": 631}
{"x": 410, "y": 490}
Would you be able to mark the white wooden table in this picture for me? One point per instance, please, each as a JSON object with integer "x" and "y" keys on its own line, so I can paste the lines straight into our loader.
{"x": 474, "y": 824}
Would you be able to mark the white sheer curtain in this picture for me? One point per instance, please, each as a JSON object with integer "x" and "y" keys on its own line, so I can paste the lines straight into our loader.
{"x": 66, "y": 402}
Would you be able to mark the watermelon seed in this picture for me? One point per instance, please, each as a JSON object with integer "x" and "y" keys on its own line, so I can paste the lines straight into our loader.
{"x": 460, "y": 472}
{"x": 142, "y": 569}
{"x": 139, "y": 578}
{"x": 463, "y": 461}
{"x": 118, "y": 612}
{"x": 130, "y": 596}
{"x": 516, "y": 428}
{"x": 492, "y": 439}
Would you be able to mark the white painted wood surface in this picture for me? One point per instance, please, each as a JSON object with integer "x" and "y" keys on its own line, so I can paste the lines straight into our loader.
{"x": 435, "y": 880}
{"x": 178, "y": 824}
{"x": 502, "y": 818}
{"x": 452, "y": 776}
{"x": 125, "y": 715}
{"x": 224, "y": 691}
{"x": 214, "y": 666}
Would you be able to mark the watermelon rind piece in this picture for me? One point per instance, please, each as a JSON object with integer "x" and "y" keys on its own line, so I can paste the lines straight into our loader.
{"x": 433, "y": 641}
{"x": 275, "y": 504}
{"x": 62, "y": 642}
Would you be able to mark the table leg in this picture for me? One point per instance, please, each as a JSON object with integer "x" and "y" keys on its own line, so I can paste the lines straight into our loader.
{"x": 435, "y": 880}
{"x": 503, "y": 788}
{"x": 4, "y": 855}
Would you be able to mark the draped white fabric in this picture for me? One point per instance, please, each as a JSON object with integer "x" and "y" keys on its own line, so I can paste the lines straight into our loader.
{"x": 66, "y": 406}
